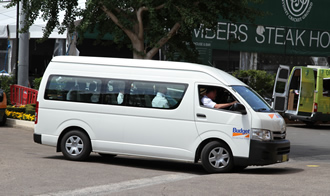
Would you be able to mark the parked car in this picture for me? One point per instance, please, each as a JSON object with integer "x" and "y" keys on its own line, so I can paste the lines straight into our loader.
{"x": 3, "y": 107}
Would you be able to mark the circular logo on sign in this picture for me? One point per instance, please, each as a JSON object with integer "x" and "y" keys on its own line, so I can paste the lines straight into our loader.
{"x": 297, "y": 10}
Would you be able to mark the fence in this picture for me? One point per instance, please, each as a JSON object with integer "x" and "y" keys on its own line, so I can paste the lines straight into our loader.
{"x": 21, "y": 95}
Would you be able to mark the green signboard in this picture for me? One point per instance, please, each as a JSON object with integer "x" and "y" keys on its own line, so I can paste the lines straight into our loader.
{"x": 293, "y": 27}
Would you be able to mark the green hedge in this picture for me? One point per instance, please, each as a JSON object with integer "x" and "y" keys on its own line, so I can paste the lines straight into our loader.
{"x": 5, "y": 83}
{"x": 28, "y": 109}
{"x": 36, "y": 83}
{"x": 14, "y": 109}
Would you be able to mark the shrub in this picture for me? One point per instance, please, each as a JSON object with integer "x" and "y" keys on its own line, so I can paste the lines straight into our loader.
{"x": 36, "y": 83}
{"x": 16, "y": 109}
{"x": 20, "y": 115}
{"x": 30, "y": 109}
{"x": 26, "y": 112}
{"x": 5, "y": 82}
{"x": 259, "y": 80}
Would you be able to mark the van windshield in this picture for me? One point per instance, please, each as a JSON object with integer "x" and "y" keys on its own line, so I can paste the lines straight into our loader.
{"x": 257, "y": 103}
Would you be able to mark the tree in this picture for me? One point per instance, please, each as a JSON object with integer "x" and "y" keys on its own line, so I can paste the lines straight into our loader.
{"x": 261, "y": 81}
{"x": 144, "y": 25}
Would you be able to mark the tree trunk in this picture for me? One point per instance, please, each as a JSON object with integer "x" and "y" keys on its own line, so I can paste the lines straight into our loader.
{"x": 138, "y": 49}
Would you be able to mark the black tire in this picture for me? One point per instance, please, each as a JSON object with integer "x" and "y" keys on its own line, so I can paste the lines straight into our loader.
{"x": 310, "y": 123}
{"x": 76, "y": 146}
{"x": 217, "y": 157}
{"x": 4, "y": 120}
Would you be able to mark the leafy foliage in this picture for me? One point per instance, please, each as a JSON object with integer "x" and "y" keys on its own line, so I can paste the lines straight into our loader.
{"x": 143, "y": 25}
{"x": 36, "y": 83}
{"x": 261, "y": 81}
{"x": 5, "y": 83}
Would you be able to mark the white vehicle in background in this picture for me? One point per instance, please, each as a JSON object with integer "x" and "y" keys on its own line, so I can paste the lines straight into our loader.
{"x": 104, "y": 105}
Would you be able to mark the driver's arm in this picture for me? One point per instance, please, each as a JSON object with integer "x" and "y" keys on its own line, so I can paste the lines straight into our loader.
{"x": 224, "y": 105}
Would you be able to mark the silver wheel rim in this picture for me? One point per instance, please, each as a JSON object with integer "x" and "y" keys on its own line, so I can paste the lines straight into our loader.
{"x": 219, "y": 157}
{"x": 74, "y": 145}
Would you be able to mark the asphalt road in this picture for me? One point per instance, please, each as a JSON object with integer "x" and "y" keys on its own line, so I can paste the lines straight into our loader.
{"x": 27, "y": 168}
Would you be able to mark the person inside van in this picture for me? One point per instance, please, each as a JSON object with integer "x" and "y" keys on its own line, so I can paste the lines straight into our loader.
{"x": 209, "y": 95}
{"x": 160, "y": 101}
{"x": 95, "y": 94}
{"x": 73, "y": 91}
{"x": 120, "y": 97}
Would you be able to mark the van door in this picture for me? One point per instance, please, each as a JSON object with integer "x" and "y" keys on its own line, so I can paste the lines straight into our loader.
{"x": 306, "y": 94}
{"x": 322, "y": 93}
{"x": 153, "y": 130}
{"x": 280, "y": 91}
{"x": 222, "y": 123}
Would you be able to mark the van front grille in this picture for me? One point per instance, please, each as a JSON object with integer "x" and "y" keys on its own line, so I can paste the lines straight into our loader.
{"x": 279, "y": 135}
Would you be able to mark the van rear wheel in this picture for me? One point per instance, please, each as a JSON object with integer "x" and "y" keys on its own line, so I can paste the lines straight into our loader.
{"x": 217, "y": 157}
{"x": 4, "y": 120}
{"x": 76, "y": 145}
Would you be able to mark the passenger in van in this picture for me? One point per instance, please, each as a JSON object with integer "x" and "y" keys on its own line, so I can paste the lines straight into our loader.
{"x": 160, "y": 101}
{"x": 120, "y": 97}
{"x": 73, "y": 91}
{"x": 95, "y": 95}
{"x": 172, "y": 102}
{"x": 209, "y": 95}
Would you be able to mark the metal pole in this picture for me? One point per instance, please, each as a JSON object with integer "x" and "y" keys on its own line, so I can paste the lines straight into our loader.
{"x": 17, "y": 42}
{"x": 23, "y": 57}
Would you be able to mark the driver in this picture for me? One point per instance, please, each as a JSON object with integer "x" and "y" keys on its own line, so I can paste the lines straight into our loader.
{"x": 210, "y": 95}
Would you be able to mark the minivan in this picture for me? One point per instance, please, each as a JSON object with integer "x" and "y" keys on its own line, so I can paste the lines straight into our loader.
{"x": 149, "y": 108}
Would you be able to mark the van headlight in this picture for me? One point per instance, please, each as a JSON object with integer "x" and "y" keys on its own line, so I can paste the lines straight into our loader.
{"x": 283, "y": 128}
{"x": 261, "y": 134}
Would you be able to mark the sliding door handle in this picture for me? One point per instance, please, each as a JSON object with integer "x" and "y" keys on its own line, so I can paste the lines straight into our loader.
{"x": 201, "y": 115}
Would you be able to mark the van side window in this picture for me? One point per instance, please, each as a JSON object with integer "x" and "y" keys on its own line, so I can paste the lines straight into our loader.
{"x": 156, "y": 95}
{"x": 77, "y": 89}
{"x": 326, "y": 87}
{"x": 114, "y": 92}
{"x": 141, "y": 94}
{"x": 218, "y": 95}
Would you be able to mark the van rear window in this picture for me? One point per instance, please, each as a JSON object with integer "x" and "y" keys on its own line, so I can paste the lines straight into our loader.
{"x": 77, "y": 89}
{"x": 148, "y": 94}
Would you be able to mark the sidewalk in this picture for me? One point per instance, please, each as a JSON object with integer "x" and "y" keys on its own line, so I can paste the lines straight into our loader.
{"x": 28, "y": 125}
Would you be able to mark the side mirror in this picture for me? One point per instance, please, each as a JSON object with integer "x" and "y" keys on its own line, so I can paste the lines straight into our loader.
{"x": 240, "y": 108}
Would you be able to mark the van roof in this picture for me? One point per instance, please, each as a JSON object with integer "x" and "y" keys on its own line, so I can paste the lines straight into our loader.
{"x": 318, "y": 67}
{"x": 220, "y": 75}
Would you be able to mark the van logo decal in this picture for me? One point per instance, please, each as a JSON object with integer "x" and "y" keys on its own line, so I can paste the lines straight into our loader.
{"x": 273, "y": 115}
{"x": 241, "y": 133}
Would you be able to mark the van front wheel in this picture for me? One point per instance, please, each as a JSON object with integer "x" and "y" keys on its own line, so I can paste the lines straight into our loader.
{"x": 75, "y": 145}
{"x": 217, "y": 157}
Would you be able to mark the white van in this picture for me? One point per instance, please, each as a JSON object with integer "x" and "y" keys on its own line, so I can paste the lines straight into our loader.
{"x": 113, "y": 107}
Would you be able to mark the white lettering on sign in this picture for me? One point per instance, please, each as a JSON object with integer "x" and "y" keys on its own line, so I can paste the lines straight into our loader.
{"x": 265, "y": 35}
{"x": 325, "y": 40}
{"x": 279, "y": 36}
{"x": 299, "y": 37}
{"x": 225, "y": 31}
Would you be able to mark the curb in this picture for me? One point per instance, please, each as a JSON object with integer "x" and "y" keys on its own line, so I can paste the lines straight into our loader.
{"x": 28, "y": 125}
